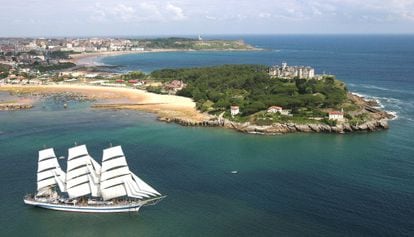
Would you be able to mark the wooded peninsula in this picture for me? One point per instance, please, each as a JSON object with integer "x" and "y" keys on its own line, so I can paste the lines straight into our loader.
{"x": 250, "y": 88}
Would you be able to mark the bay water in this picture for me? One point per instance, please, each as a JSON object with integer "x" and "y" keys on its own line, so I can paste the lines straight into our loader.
{"x": 359, "y": 184}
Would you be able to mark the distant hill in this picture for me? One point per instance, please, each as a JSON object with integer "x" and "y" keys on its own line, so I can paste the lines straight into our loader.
{"x": 193, "y": 44}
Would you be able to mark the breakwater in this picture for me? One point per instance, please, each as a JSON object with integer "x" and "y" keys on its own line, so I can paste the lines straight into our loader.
{"x": 14, "y": 106}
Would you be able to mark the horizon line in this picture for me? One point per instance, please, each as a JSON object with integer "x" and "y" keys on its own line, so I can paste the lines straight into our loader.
{"x": 207, "y": 35}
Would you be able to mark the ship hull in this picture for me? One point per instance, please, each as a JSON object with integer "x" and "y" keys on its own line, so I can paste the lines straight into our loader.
{"x": 87, "y": 208}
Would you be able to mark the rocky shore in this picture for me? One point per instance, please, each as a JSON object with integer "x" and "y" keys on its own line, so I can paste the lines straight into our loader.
{"x": 378, "y": 122}
{"x": 282, "y": 128}
{"x": 15, "y": 106}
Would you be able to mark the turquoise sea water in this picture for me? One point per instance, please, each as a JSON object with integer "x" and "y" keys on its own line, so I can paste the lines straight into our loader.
{"x": 291, "y": 185}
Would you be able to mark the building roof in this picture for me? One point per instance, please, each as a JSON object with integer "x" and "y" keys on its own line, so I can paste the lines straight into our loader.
{"x": 234, "y": 107}
{"x": 275, "y": 107}
{"x": 336, "y": 113}
{"x": 175, "y": 84}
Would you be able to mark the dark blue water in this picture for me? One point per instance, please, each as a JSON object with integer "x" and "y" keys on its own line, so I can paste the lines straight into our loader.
{"x": 290, "y": 185}
{"x": 378, "y": 66}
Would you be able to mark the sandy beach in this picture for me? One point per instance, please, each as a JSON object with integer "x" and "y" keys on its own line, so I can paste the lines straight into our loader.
{"x": 92, "y": 59}
{"x": 166, "y": 106}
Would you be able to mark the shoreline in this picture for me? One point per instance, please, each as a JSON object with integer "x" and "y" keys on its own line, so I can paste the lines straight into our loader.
{"x": 168, "y": 106}
{"x": 380, "y": 105}
{"x": 378, "y": 122}
{"x": 16, "y": 103}
{"x": 86, "y": 59}
{"x": 91, "y": 59}
{"x": 182, "y": 110}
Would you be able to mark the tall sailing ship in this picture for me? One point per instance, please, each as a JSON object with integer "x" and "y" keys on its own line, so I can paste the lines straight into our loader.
{"x": 88, "y": 186}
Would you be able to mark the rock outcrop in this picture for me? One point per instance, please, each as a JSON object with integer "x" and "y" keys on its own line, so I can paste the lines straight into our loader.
{"x": 378, "y": 121}
{"x": 282, "y": 128}
{"x": 14, "y": 106}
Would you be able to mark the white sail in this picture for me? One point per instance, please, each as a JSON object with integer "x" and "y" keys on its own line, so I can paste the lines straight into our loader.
{"x": 49, "y": 173}
{"x": 118, "y": 181}
{"x": 83, "y": 173}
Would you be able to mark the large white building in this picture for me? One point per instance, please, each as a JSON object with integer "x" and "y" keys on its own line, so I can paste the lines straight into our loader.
{"x": 290, "y": 72}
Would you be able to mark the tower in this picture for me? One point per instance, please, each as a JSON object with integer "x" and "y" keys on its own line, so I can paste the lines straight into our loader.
{"x": 284, "y": 65}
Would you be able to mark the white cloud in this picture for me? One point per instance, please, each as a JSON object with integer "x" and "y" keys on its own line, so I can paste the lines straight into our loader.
{"x": 212, "y": 18}
{"x": 150, "y": 12}
{"x": 165, "y": 16}
{"x": 176, "y": 11}
{"x": 144, "y": 11}
{"x": 264, "y": 15}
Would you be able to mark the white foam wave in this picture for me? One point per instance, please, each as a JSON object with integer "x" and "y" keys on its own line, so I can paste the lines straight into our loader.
{"x": 375, "y": 87}
{"x": 368, "y": 97}
{"x": 383, "y": 88}
{"x": 381, "y": 99}
{"x": 393, "y": 113}
{"x": 359, "y": 94}
{"x": 385, "y": 103}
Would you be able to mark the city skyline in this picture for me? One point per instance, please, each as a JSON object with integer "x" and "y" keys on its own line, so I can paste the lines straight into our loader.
{"x": 35, "y": 18}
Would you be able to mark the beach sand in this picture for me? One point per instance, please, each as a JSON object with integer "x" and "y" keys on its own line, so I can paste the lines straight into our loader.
{"x": 92, "y": 59}
{"x": 166, "y": 106}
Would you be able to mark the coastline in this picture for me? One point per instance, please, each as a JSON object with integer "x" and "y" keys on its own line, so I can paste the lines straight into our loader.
{"x": 182, "y": 110}
{"x": 91, "y": 59}
{"x": 378, "y": 122}
{"x": 16, "y": 103}
{"x": 168, "y": 106}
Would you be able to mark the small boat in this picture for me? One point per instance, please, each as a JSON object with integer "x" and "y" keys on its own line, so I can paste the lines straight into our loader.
{"x": 234, "y": 172}
{"x": 88, "y": 186}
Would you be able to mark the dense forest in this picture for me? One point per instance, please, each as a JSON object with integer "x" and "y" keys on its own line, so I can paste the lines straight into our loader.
{"x": 249, "y": 86}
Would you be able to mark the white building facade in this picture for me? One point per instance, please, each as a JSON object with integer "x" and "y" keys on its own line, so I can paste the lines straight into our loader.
{"x": 234, "y": 110}
{"x": 290, "y": 72}
{"x": 336, "y": 115}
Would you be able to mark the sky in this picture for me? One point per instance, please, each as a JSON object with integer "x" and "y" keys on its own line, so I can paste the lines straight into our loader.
{"x": 193, "y": 17}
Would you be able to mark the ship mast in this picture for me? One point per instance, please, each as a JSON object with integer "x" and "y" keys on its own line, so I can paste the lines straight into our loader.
{"x": 118, "y": 181}
{"x": 49, "y": 173}
{"x": 83, "y": 173}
